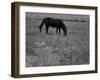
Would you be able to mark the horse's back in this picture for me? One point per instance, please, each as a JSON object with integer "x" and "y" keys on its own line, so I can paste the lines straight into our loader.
{"x": 50, "y": 21}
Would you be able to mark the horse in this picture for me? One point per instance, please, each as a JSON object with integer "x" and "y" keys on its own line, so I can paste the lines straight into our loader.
{"x": 54, "y": 23}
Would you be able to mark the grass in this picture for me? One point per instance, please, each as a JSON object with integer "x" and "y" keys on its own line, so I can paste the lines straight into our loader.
{"x": 54, "y": 49}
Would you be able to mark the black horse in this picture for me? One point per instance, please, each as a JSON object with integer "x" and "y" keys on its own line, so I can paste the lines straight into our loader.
{"x": 55, "y": 23}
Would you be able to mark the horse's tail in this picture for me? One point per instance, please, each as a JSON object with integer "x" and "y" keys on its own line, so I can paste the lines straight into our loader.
{"x": 40, "y": 27}
{"x": 64, "y": 29}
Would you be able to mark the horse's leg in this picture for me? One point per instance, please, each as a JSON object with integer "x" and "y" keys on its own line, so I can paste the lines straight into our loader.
{"x": 59, "y": 30}
{"x": 56, "y": 30}
{"x": 47, "y": 27}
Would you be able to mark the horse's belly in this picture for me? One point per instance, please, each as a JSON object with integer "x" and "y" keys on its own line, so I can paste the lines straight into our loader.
{"x": 54, "y": 26}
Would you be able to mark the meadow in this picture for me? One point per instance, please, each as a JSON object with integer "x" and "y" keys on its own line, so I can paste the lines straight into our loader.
{"x": 56, "y": 49}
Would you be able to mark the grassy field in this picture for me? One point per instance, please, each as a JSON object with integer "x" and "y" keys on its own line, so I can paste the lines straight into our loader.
{"x": 54, "y": 49}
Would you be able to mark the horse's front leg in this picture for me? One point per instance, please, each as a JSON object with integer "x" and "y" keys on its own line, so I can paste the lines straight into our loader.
{"x": 57, "y": 30}
{"x": 47, "y": 27}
